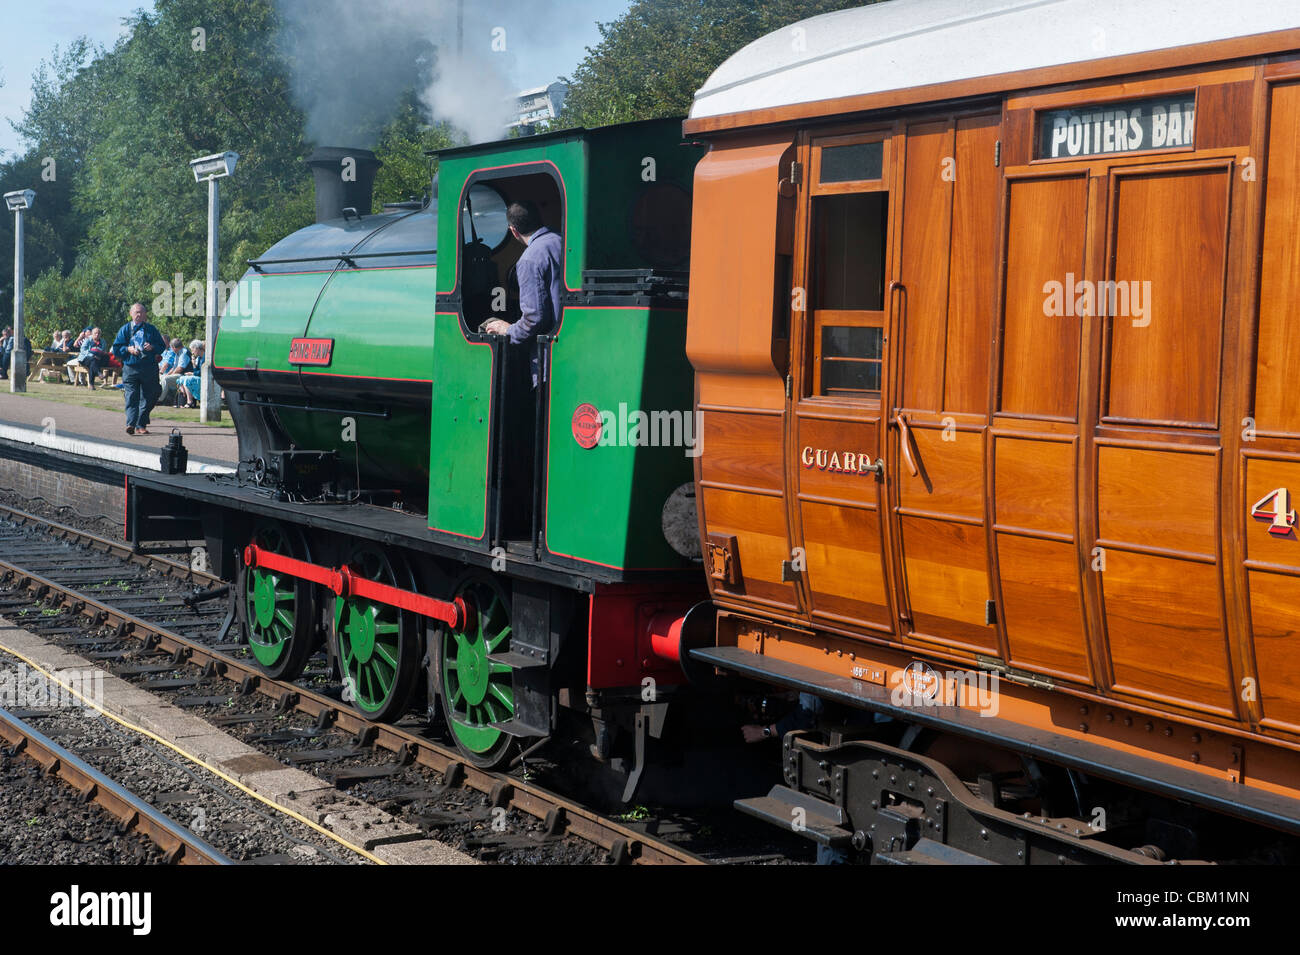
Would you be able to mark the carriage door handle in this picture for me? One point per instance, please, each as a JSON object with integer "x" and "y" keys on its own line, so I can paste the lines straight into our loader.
{"x": 905, "y": 442}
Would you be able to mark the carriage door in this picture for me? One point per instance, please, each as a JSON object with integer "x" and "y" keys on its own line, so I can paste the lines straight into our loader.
{"x": 937, "y": 395}
{"x": 834, "y": 429}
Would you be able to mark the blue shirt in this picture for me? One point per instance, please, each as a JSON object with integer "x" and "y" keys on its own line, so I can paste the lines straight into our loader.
{"x": 541, "y": 282}
{"x": 174, "y": 362}
{"x": 131, "y": 334}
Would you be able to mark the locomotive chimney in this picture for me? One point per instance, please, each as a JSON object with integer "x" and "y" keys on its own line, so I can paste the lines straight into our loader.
{"x": 344, "y": 178}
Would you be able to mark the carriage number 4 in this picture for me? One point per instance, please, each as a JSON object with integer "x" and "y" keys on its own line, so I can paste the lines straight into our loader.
{"x": 1275, "y": 506}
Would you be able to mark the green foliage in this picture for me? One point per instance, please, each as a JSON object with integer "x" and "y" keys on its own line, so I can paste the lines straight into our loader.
{"x": 651, "y": 60}
{"x": 73, "y": 302}
{"x": 402, "y": 145}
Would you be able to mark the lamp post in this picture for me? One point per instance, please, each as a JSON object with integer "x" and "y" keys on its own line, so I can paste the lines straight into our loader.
{"x": 18, "y": 202}
{"x": 210, "y": 169}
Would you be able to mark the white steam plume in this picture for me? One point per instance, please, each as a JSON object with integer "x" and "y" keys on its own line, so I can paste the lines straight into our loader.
{"x": 351, "y": 60}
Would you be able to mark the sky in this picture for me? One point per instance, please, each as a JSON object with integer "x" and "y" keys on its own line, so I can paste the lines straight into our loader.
{"x": 33, "y": 28}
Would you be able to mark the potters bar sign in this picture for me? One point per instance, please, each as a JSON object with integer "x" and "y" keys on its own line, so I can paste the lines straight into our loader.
{"x": 1163, "y": 123}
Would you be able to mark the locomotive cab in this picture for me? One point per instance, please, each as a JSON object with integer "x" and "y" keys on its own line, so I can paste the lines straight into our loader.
{"x": 490, "y": 291}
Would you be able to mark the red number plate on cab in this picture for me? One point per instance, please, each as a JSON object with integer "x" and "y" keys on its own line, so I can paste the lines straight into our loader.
{"x": 310, "y": 351}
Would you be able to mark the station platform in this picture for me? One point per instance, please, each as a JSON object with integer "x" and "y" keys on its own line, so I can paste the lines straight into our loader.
{"x": 101, "y": 435}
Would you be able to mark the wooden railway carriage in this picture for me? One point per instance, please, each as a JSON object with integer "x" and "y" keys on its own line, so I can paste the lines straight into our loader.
{"x": 993, "y": 317}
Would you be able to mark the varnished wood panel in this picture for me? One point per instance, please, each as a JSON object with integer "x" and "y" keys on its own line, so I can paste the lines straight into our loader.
{"x": 1017, "y": 136}
{"x": 1277, "y": 397}
{"x": 837, "y": 451}
{"x": 1133, "y": 87}
{"x": 1223, "y": 114}
{"x": 743, "y": 449}
{"x": 1165, "y": 631}
{"x": 1160, "y": 499}
{"x": 1045, "y": 229}
{"x": 845, "y": 572}
{"x": 1034, "y": 485}
{"x": 972, "y": 279}
{"x": 1275, "y": 613}
{"x": 927, "y": 225}
{"x": 1042, "y": 611}
{"x": 1169, "y": 231}
{"x": 758, "y": 523}
{"x": 950, "y": 478}
{"x": 947, "y": 583}
{"x": 730, "y": 317}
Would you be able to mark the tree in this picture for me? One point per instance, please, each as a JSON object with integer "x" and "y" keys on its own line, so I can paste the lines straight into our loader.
{"x": 402, "y": 147}
{"x": 651, "y": 60}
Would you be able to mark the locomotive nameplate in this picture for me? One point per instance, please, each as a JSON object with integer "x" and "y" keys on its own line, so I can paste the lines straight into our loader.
{"x": 1166, "y": 122}
{"x": 310, "y": 351}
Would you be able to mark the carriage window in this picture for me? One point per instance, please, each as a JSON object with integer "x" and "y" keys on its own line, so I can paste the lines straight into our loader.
{"x": 848, "y": 239}
{"x": 852, "y": 163}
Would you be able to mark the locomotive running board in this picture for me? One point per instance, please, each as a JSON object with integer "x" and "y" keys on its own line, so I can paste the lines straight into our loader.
{"x": 1221, "y": 795}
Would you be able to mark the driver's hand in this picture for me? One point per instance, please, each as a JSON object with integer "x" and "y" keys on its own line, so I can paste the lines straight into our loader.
{"x": 496, "y": 327}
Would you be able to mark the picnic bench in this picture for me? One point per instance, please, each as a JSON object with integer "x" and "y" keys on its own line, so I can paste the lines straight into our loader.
{"x": 65, "y": 364}
{"x": 50, "y": 360}
{"x": 80, "y": 376}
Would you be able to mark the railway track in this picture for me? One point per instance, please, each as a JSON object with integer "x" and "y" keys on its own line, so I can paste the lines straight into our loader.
{"x": 178, "y": 844}
{"x": 105, "y": 596}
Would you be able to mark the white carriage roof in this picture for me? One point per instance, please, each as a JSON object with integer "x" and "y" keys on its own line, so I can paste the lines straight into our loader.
{"x": 900, "y": 44}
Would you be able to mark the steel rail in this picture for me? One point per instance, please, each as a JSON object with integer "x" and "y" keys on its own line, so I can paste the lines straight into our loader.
{"x": 559, "y": 813}
{"x": 179, "y": 845}
{"x": 171, "y": 568}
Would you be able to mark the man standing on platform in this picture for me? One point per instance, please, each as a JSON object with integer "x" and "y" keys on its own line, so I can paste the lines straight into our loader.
{"x": 140, "y": 347}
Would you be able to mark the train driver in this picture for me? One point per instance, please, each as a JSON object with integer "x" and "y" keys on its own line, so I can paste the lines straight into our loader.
{"x": 540, "y": 276}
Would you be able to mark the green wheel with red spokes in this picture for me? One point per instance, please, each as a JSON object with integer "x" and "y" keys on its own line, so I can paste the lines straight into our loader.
{"x": 477, "y": 692}
{"x": 278, "y": 613}
{"x": 377, "y": 645}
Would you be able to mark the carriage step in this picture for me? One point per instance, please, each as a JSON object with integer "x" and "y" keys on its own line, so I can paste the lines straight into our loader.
{"x": 818, "y": 820}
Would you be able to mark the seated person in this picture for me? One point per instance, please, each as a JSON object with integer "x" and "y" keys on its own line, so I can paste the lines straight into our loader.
{"x": 188, "y": 385}
{"x": 93, "y": 355}
{"x": 57, "y": 344}
{"x": 175, "y": 363}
